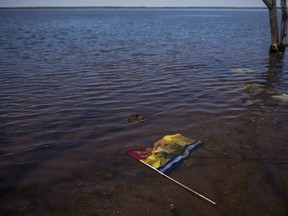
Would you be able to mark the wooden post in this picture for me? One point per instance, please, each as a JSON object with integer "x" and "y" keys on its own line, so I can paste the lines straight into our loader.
{"x": 283, "y": 24}
{"x": 276, "y": 44}
{"x": 272, "y": 7}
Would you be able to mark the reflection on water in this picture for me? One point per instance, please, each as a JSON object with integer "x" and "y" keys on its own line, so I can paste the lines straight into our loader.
{"x": 69, "y": 79}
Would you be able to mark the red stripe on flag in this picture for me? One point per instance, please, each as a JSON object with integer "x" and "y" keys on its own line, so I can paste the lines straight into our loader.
{"x": 138, "y": 154}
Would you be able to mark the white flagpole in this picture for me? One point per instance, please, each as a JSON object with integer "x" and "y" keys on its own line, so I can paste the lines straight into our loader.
{"x": 182, "y": 185}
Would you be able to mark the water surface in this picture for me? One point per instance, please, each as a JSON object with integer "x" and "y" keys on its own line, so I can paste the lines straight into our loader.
{"x": 70, "y": 77}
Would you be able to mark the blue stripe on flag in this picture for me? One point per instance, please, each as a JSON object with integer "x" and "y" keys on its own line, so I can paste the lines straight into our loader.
{"x": 174, "y": 161}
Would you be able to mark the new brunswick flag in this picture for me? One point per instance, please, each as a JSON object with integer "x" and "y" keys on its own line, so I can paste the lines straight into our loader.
{"x": 166, "y": 153}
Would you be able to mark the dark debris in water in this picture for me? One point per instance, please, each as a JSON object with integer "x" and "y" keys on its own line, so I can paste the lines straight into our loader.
{"x": 135, "y": 118}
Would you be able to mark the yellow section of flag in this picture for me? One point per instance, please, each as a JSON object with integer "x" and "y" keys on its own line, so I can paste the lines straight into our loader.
{"x": 165, "y": 148}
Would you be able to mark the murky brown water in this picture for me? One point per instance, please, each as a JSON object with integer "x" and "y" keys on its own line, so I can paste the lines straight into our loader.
{"x": 69, "y": 78}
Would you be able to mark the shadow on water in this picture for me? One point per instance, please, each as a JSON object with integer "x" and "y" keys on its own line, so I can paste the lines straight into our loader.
{"x": 273, "y": 77}
{"x": 275, "y": 69}
{"x": 272, "y": 154}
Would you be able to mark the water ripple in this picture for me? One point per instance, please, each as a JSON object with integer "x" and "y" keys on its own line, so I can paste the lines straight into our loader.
{"x": 70, "y": 78}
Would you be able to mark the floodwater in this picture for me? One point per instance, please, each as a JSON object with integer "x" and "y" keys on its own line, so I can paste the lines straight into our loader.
{"x": 70, "y": 77}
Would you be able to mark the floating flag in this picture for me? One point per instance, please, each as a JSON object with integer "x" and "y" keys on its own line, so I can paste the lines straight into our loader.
{"x": 167, "y": 153}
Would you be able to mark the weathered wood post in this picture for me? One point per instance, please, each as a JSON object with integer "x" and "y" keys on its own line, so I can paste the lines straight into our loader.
{"x": 272, "y": 7}
{"x": 276, "y": 44}
{"x": 283, "y": 23}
